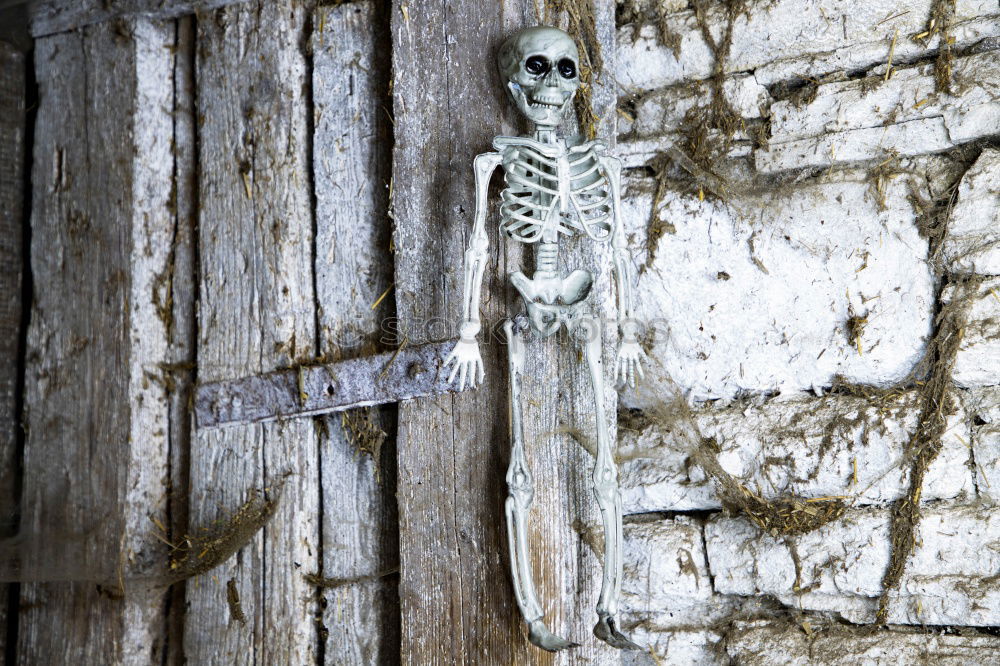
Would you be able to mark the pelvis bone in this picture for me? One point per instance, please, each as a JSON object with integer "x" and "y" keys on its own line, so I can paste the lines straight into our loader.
{"x": 552, "y": 301}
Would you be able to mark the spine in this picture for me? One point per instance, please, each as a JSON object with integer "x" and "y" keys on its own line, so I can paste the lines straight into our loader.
{"x": 546, "y": 259}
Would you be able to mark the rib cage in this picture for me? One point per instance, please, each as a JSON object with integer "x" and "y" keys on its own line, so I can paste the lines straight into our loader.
{"x": 535, "y": 208}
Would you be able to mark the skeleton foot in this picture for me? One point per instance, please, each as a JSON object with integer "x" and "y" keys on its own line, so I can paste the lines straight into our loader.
{"x": 608, "y": 497}
{"x": 606, "y": 630}
{"x": 540, "y": 635}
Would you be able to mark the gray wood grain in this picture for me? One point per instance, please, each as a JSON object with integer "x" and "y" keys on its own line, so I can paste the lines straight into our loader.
{"x": 457, "y": 604}
{"x": 454, "y": 591}
{"x": 96, "y": 451}
{"x": 256, "y": 314}
{"x": 183, "y": 285}
{"x": 351, "y": 163}
{"x": 48, "y": 17}
{"x": 12, "y": 146}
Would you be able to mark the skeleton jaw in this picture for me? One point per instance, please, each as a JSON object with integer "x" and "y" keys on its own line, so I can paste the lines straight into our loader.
{"x": 543, "y": 108}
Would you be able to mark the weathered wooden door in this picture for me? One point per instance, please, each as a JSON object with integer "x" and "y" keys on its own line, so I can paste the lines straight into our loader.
{"x": 254, "y": 187}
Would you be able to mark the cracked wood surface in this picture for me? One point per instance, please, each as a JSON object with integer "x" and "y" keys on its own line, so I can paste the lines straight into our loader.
{"x": 351, "y": 165}
{"x": 457, "y": 604}
{"x": 95, "y": 456}
{"x": 256, "y": 313}
{"x": 183, "y": 333}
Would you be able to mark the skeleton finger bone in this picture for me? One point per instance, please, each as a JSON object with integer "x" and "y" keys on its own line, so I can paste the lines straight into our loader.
{"x": 452, "y": 358}
{"x": 622, "y": 371}
{"x": 466, "y": 363}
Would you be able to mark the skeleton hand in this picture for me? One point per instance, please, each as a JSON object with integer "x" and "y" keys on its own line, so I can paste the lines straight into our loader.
{"x": 468, "y": 363}
{"x": 629, "y": 366}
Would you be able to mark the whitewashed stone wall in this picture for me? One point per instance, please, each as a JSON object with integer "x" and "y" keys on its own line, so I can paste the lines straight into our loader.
{"x": 748, "y": 299}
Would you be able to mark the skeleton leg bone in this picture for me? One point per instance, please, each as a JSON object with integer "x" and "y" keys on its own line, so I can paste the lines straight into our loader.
{"x": 607, "y": 493}
{"x": 520, "y": 494}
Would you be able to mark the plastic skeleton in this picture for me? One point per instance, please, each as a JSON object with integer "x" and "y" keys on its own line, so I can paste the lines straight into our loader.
{"x": 554, "y": 190}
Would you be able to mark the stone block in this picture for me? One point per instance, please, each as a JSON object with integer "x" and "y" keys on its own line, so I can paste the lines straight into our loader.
{"x": 834, "y": 446}
{"x": 754, "y": 293}
{"x": 972, "y": 244}
{"x": 950, "y": 579}
{"x": 871, "y": 118}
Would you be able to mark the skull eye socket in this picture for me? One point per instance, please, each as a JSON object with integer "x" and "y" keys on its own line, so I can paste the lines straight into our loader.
{"x": 536, "y": 65}
{"x": 567, "y": 68}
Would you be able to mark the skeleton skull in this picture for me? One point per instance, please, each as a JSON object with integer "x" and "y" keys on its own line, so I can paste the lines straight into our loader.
{"x": 541, "y": 66}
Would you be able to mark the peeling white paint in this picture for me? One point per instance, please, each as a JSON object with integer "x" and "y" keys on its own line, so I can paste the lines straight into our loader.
{"x": 946, "y": 582}
{"x": 796, "y": 39}
{"x": 754, "y": 294}
{"x": 765, "y": 643}
{"x": 674, "y": 647}
{"x": 870, "y": 119}
{"x": 978, "y": 361}
{"x": 747, "y": 302}
{"x": 983, "y": 406}
{"x": 836, "y": 446}
{"x": 973, "y": 241}
{"x": 662, "y": 111}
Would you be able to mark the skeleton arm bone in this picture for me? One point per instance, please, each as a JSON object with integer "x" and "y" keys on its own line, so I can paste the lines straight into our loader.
{"x": 468, "y": 363}
{"x": 475, "y": 255}
{"x": 628, "y": 368}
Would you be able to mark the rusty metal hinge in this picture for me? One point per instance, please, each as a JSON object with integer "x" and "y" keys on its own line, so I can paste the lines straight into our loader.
{"x": 308, "y": 390}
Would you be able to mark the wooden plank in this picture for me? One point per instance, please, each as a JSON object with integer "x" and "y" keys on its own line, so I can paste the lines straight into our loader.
{"x": 12, "y": 129}
{"x": 48, "y": 17}
{"x": 456, "y": 599}
{"x": 181, "y": 306}
{"x": 256, "y": 314}
{"x": 352, "y": 167}
{"x": 451, "y": 460}
{"x": 95, "y": 456}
